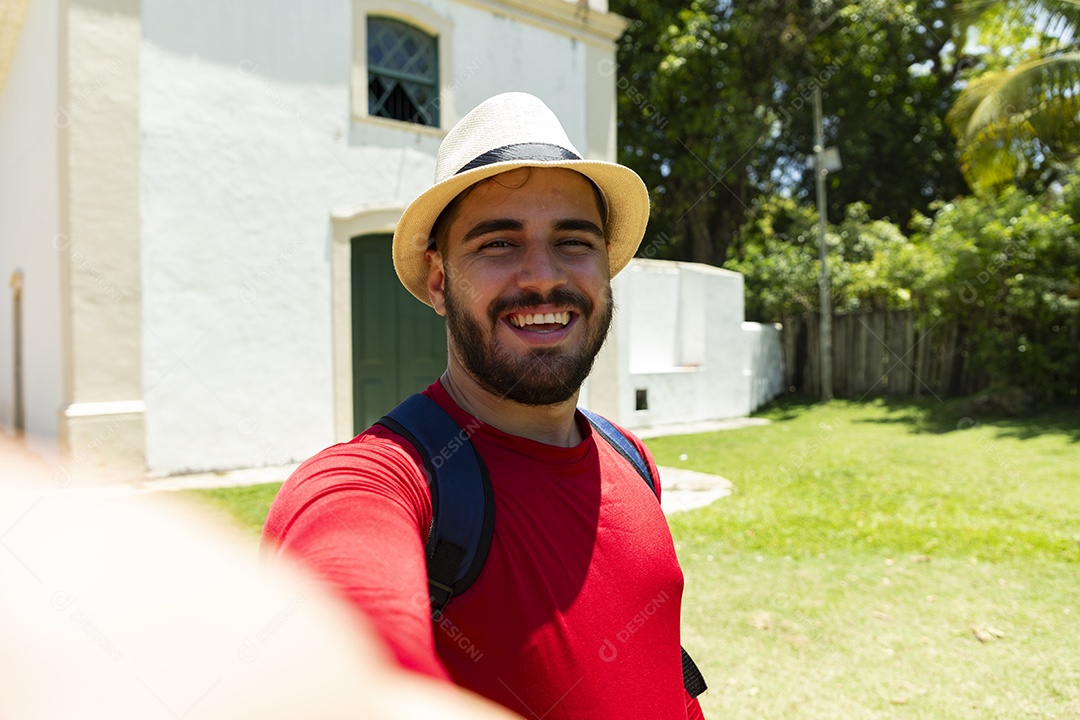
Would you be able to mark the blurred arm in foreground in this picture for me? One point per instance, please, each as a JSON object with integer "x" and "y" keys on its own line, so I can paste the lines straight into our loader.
{"x": 139, "y": 607}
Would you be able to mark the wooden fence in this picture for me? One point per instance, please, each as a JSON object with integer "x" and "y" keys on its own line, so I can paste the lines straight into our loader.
{"x": 880, "y": 353}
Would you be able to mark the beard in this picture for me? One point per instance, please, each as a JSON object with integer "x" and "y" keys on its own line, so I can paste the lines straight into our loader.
{"x": 544, "y": 376}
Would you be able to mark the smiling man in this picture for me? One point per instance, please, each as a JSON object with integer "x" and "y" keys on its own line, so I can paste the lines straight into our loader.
{"x": 573, "y": 608}
{"x": 531, "y": 269}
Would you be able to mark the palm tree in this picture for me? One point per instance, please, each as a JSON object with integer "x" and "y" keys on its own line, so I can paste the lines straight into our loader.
{"x": 1022, "y": 119}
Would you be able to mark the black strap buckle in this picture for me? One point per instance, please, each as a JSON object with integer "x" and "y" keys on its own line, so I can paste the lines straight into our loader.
{"x": 692, "y": 678}
{"x": 439, "y": 595}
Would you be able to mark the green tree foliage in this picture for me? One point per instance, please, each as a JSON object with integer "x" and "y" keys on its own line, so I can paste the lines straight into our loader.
{"x": 1018, "y": 121}
{"x": 1004, "y": 272}
{"x": 872, "y": 264}
{"x": 781, "y": 266}
{"x": 890, "y": 74}
{"x": 1012, "y": 284}
{"x": 715, "y": 110}
{"x": 695, "y": 82}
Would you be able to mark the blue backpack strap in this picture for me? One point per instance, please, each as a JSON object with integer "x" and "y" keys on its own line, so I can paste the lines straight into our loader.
{"x": 693, "y": 680}
{"x": 616, "y": 439}
{"x": 462, "y": 505}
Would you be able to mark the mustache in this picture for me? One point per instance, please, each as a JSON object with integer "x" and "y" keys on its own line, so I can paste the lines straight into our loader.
{"x": 559, "y": 296}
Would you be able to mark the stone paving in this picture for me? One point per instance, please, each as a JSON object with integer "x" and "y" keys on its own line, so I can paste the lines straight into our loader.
{"x": 687, "y": 489}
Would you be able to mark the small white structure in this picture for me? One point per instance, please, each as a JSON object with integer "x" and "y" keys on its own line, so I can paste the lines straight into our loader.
{"x": 680, "y": 351}
{"x": 197, "y": 196}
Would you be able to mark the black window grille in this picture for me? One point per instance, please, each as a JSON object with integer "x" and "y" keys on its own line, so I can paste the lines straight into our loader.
{"x": 403, "y": 72}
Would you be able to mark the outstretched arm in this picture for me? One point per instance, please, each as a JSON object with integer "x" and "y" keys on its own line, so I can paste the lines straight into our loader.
{"x": 357, "y": 516}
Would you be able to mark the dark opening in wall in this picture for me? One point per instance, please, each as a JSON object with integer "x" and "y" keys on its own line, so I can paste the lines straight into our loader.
{"x": 641, "y": 399}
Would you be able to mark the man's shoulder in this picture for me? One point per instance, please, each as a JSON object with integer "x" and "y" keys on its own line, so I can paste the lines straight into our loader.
{"x": 376, "y": 450}
{"x": 608, "y": 442}
{"x": 375, "y": 461}
{"x": 621, "y": 430}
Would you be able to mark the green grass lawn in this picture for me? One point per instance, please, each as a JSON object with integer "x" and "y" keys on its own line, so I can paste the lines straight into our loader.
{"x": 246, "y": 506}
{"x": 876, "y": 560}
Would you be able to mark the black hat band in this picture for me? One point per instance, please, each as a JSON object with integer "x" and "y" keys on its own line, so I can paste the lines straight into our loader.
{"x": 521, "y": 152}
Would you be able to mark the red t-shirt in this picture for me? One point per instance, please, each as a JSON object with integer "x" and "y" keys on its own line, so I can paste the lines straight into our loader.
{"x": 576, "y": 612}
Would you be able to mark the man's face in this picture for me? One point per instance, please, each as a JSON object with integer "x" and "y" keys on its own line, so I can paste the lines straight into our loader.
{"x": 525, "y": 284}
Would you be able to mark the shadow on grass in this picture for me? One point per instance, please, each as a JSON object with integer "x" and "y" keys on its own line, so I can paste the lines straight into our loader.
{"x": 786, "y": 407}
{"x": 928, "y": 415}
{"x": 933, "y": 416}
{"x": 1052, "y": 422}
{"x": 924, "y": 415}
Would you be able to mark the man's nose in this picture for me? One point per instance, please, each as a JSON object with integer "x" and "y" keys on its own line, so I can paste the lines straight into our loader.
{"x": 540, "y": 268}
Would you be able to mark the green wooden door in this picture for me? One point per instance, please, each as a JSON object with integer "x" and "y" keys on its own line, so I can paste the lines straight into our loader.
{"x": 398, "y": 343}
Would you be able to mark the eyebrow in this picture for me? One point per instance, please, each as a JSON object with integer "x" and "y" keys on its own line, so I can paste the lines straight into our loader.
{"x": 510, "y": 225}
{"x": 574, "y": 224}
{"x": 493, "y": 226}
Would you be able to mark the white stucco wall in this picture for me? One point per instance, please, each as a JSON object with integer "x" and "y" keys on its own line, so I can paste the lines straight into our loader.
{"x": 29, "y": 224}
{"x": 248, "y": 147}
{"x": 766, "y": 362}
{"x": 679, "y": 335}
{"x": 507, "y": 55}
{"x": 651, "y": 298}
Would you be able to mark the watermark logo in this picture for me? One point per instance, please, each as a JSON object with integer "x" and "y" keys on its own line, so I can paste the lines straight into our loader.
{"x": 248, "y": 68}
{"x": 62, "y": 601}
{"x": 992, "y": 450}
{"x": 455, "y": 443}
{"x": 449, "y": 629}
{"x": 64, "y": 474}
{"x": 249, "y": 289}
{"x": 61, "y": 242}
{"x": 968, "y": 293}
{"x": 249, "y": 649}
{"x": 64, "y": 114}
{"x": 811, "y": 448}
{"x": 248, "y": 427}
{"x": 804, "y": 92}
{"x": 609, "y": 651}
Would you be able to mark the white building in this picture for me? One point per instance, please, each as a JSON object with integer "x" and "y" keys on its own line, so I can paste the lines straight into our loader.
{"x": 679, "y": 351}
{"x": 198, "y": 197}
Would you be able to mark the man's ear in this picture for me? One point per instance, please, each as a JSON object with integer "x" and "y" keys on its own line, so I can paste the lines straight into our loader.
{"x": 436, "y": 280}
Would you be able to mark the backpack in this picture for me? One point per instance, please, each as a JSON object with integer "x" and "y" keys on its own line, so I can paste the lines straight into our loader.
{"x": 462, "y": 503}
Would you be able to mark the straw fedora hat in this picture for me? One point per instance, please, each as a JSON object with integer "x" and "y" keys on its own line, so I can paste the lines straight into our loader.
{"x": 502, "y": 133}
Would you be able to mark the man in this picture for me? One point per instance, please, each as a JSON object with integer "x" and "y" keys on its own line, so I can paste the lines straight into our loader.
{"x": 576, "y": 611}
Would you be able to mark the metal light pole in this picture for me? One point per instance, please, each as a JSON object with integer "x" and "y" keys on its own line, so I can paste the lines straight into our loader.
{"x": 17, "y": 342}
{"x": 820, "y": 172}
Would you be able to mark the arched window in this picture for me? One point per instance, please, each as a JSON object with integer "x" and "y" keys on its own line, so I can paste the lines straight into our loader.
{"x": 403, "y": 72}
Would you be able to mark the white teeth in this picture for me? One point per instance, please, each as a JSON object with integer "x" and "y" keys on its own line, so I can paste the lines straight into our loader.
{"x": 561, "y": 318}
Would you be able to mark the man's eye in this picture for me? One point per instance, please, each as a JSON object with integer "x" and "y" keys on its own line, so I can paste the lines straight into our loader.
{"x": 495, "y": 245}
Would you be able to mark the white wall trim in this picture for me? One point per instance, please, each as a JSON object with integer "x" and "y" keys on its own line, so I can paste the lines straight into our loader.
{"x": 348, "y": 224}
{"x": 561, "y": 18}
{"x": 100, "y": 239}
{"x": 98, "y": 409}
